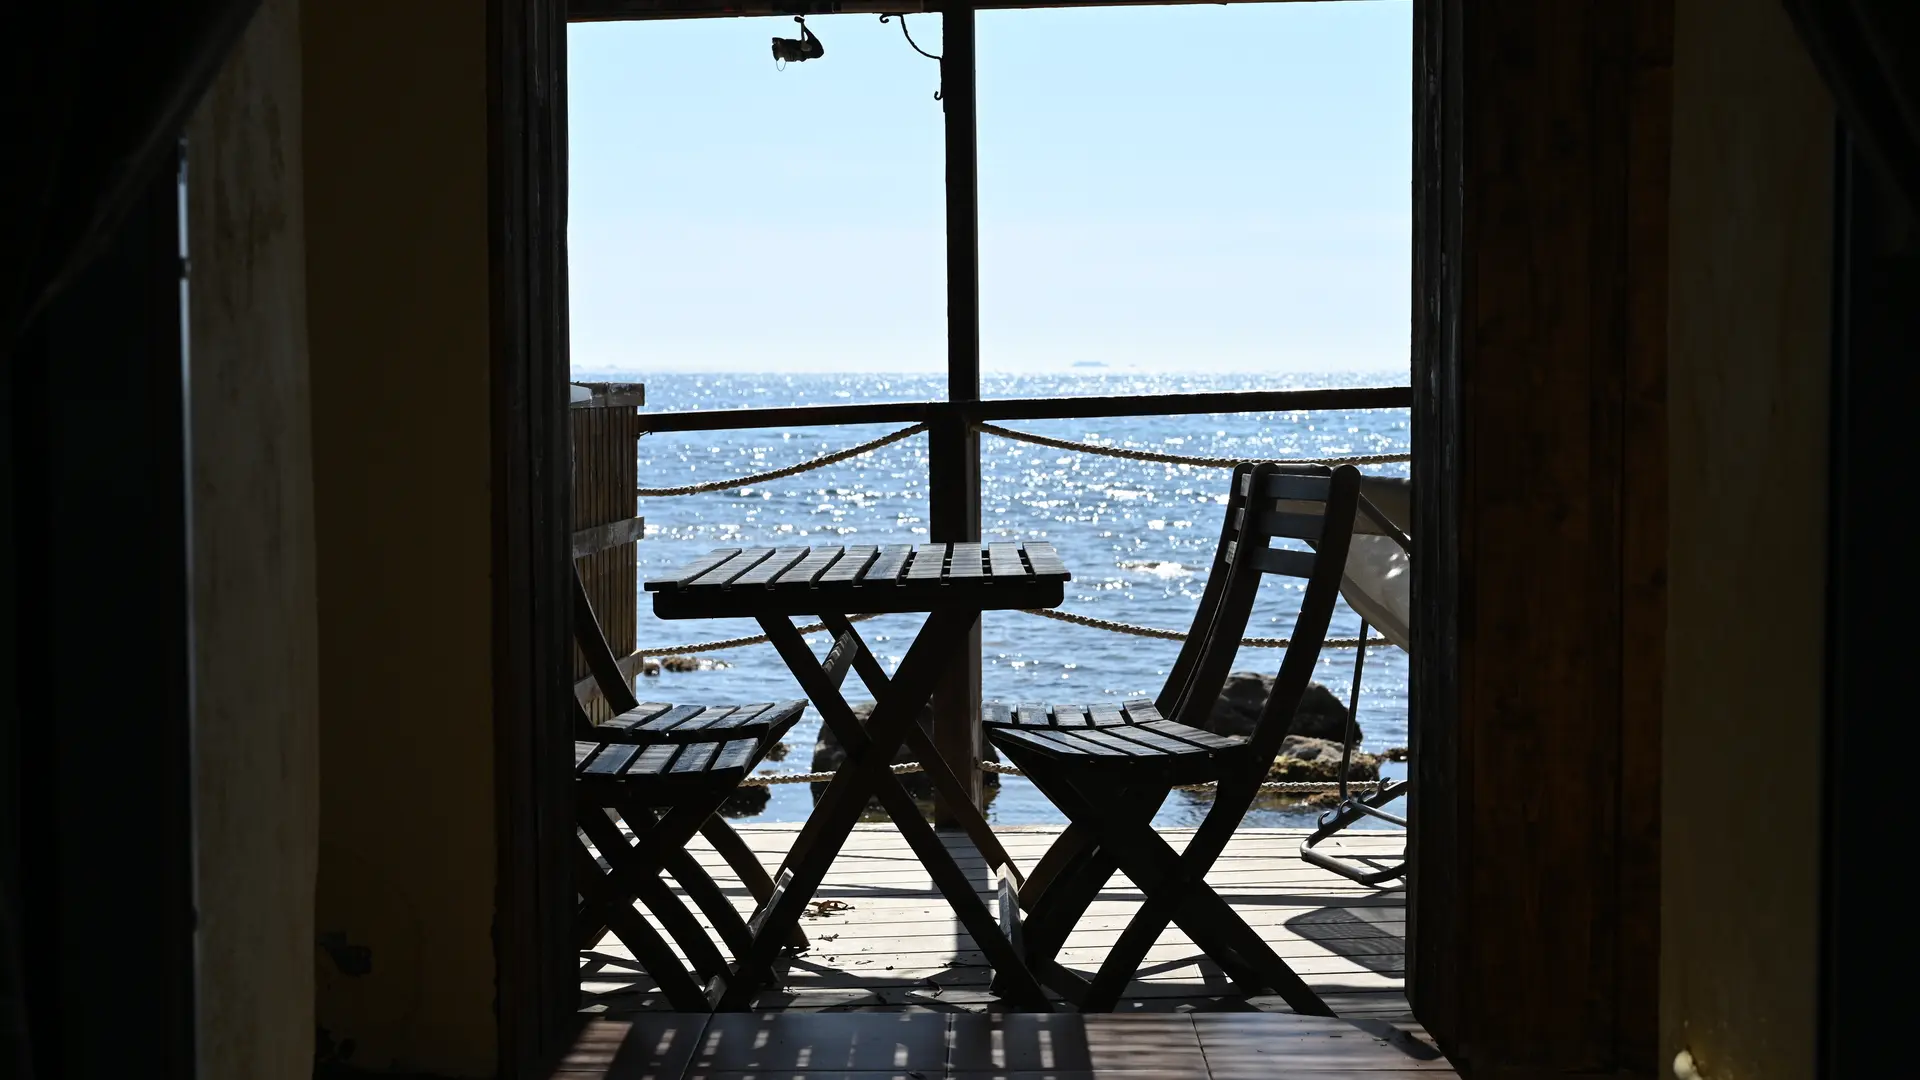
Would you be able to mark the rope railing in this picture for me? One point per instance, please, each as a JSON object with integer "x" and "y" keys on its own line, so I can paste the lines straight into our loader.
{"x": 1018, "y": 436}
{"x": 737, "y": 642}
{"x": 1180, "y": 635}
{"x": 791, "y": 470}
{"x": 1061, "y": 616}
{"x": 904, "y": 768}
{"x": 1180, "y": 459}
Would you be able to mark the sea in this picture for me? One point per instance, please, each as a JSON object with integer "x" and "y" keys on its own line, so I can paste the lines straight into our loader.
{"x": 1137, "y": 537}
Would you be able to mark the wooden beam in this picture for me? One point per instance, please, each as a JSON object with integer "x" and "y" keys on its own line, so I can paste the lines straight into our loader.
{"x": 537, "y": 975}
{"x": 953, "y": 462}
{"x": 632, "y": 10}
{"x": 912, "y": 412}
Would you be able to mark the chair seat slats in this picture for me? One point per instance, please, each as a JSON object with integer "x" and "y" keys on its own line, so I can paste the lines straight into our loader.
{"x": 1112, "y": 741}
{"x": 1197, "y": 736}
{"x": 709, "y": 716}
{"x": 741, "y": 717}
{"x": 1141, "y": 712}
{"x": 610, "y": 759}
{"x": 673, "y": 718}
{"x": 1148, "y": 737}
{"x": 694, "y": 757}
{"x": 637, "y": 717}
{"x": 1104, "y": 716}
{"x": 653, "y": 760}
{"x": 1069, "y": 715}
{"x": 737, "y": 754}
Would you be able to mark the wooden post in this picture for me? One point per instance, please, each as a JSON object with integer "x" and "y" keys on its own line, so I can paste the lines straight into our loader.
{"x": 954, "y": 450}
{"x": 1539, "y": 457}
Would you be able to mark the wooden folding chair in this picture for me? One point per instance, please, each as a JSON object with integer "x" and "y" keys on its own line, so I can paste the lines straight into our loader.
{"x": 681, "y": 759}
{"x": 1109, "y": 774}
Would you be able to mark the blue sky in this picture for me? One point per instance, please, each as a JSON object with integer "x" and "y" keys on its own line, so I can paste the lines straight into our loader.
{"x": 1195, "y": 188}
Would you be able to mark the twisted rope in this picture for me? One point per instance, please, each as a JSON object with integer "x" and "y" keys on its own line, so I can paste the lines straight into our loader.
{"x": 790, "y": 470}
{"x": 1177, "y": 635}
{"x": 1180, "y": 459}
{"x": 905, "y": 767}
{"x": 737, "y": 642}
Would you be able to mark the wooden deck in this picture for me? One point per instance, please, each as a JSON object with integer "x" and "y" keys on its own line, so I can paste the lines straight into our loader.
{"x": 892, "y": 987}
{"x": 882, "y": 937}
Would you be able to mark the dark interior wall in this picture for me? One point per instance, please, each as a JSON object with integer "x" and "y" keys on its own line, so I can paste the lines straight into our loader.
{"x": 396, "y": 177}
{"x": 256, "y": 701}
{"x": 1540, "y": 359}
{"x": 1750, "y": 337}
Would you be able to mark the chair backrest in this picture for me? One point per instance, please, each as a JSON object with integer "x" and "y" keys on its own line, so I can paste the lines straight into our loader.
{"x": 1314, "y": 509}
{"x": 1178, "y": 676}
{"x": 592, "y": 642}
{"x": 1180, "y": 685}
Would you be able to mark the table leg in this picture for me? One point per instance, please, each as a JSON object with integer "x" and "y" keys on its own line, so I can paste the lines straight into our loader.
{"x": 869, "y": 751}
{"x": 834, "y": 817}
{"x": 939, "y": 775}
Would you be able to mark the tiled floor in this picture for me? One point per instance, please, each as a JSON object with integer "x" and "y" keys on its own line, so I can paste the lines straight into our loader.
{"x": 918, "y": 1044}
{"x": 881, "y": 937}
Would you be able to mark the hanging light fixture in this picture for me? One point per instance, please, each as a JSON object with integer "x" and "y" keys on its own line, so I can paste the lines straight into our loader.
{"x": 794, "y": 50}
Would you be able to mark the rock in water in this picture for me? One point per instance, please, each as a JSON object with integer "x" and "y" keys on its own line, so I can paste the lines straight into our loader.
{"x": 1320, "y": 715}
{"x": 1304, "y": 758}
{"x": 828, "y": 755}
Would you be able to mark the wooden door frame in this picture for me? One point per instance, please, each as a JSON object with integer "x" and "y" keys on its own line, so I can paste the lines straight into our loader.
{"x": 1875, "y": 285}
{"x": 1438, "y": 212}
{"x": 538, "y": 980}
{"x": 538, "y": 989}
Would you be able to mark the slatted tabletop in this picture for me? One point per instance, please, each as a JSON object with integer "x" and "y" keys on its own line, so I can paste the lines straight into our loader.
{"x": 736, "y": 582}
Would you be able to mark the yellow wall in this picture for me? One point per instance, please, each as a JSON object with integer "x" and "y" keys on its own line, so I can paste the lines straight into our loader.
{"x": 1748, "y": 329}
{"x": 396, "y": 150}
{"x": 256, "y": 692}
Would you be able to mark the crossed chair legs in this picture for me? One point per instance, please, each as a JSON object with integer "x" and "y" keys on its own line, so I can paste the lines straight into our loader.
{"x": 1112, "y": 830}
{"x": 634, "y": 873}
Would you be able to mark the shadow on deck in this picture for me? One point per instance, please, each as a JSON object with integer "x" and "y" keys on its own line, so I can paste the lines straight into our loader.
{"x": 892, "y": 986}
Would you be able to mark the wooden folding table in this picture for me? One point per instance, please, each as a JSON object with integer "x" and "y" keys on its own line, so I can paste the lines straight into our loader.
{"x": 952, "y": 584}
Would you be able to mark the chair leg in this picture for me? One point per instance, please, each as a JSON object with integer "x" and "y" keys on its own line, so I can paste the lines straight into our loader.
{"x": 1083, "y": 872}
{"x": 746, "y": 865}
{"x": 638, "y": 935}
{"x": 1073, "y": 842}
{"x": 1176, "y": 891}
{"x": 699, "y": 885}
{"x": 633, "y": 875}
